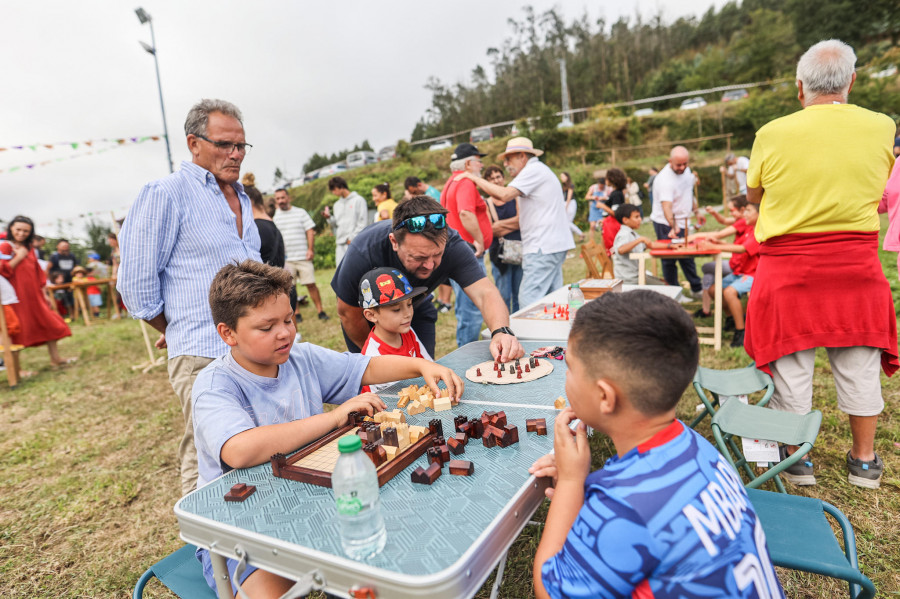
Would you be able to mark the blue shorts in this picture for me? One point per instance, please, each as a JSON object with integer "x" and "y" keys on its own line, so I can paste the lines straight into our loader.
{"x": 203, "y": 556}
{"x": 95, "y": 300}
{"x": 741, "y": 283}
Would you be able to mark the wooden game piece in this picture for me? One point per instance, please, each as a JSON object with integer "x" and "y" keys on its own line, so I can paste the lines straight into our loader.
{"x": 459, "y": 421}
{"x": 415, "y": 408}
{"x": 418, "y": 476}
{"x": 501, "y": 436}
{"x": 461, "y": 467}
{"x": 427, "y": 401}
{"x": 488, "y": 440}
{"x": 531, "y": 362}
{"x": 433, "y": 472}
{"x": 437, "y": 441}
{"x": 495, "y": 366}
{"x": 441, "y": 404}
{"x": 518, "y": 375}
{"x": 455, "y": 446}
{"x": 541, "y": 428}
{"x": 512, "y": 369}
{"x": 531, "y": 424}
{"x": 390, "y": 437}
{"x": 517, "y": 362}
{"x": 402, "y": 401}
{"x": 465, "y": 429}
{"x": 436, "y": 427}
{"x": 391, "y": 451}
{"x": 379, "y": 417}
{"x": 560, "y": 403}
{"x": 240, "y": 492}
{"x": 527, "y": 369}
{"x": 476, "y": 428}
{"x": 434, "y": 456}
{"x": 402, "y": 435}
{"x": 537, "y": 362}
{"x": 498, "y": 419}
{"x": 477, "y": 372}
{"x": 416, "y": 433}
{"x": 500, "y": 374}
{"x": 461, "y": 438}
{"x": 376, "y": 453}
{"x": 368, "y": 419}
{"x": 513, "y": 433}
{"x": 355, "y": 417}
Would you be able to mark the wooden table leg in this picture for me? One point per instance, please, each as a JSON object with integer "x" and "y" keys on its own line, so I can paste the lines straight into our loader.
{"x": 82, "y": 304}
{"x": 113, "y": 301}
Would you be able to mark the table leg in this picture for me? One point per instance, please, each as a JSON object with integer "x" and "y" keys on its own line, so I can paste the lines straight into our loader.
{"x": 113, "y": 301}
{"x": 220, "y": 570}
{"x": 717, "y": 334}
{"x": 82, "y": 304}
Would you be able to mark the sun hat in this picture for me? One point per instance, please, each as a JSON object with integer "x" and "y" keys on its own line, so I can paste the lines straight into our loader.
{"x": 519, "y": 144}
{"x": 385, "y": 286}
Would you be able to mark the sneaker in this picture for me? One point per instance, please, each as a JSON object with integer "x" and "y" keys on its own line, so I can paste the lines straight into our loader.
{"x": 801, "y": 473}
{"x": 303, "y": 300}
{"x": 865, "y": 474}
{"x": 738, "y": 340}
{"x": 323, "y": 316}
{"x": 699, "y": 313}
{"x": 444, "y": 308}
{"x": 298, "y": 317}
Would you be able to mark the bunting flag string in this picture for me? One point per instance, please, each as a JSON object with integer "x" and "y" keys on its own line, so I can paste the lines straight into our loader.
{"x": 75, "y": 144}
{"x": 117, "y": 143}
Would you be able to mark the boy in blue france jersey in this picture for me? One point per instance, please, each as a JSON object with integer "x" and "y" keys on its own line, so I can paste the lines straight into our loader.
{"x": 667, "y": 516}
{"x": 266, "y": 395}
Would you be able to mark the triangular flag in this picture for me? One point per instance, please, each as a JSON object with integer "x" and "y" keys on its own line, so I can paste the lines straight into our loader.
{"x": 34, "y": 147}
{"x": 74, "y": 145}
{"x": 90, "y": 143}
{"x": 29, "y": 166}
{"x": 48, "y": 146}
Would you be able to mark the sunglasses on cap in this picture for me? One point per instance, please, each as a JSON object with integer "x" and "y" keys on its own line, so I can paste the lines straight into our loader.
{"x": 416, "y": 224}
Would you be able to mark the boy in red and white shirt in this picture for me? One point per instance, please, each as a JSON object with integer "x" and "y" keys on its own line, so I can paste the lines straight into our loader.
{"x": 386, "y": 298}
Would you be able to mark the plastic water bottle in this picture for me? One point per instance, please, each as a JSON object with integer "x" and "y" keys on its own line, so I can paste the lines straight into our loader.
{"x": 576, "y": 299}
{"x": 355, "y": 486}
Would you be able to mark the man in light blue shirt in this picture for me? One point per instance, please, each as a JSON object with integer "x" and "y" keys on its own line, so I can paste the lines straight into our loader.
{"x": 179, "y": 232}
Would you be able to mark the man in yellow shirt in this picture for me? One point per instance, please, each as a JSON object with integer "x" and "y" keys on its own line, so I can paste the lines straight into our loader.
{"x": 818, "y": 175}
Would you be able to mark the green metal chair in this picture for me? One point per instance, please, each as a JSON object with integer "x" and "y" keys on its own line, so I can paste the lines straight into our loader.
{"x": 181, "y": 572}
{"x": 799, "y": 537}
{"x": 739, "y": 381}
{"x": 738, "y": 419}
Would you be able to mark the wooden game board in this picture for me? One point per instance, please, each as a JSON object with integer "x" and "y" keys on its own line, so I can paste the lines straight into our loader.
{"x": 489, "y": 375}
{"x": 315, "y": 463}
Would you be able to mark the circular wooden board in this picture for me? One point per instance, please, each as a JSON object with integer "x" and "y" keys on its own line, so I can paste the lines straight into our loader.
{"x": 489, "y": 375}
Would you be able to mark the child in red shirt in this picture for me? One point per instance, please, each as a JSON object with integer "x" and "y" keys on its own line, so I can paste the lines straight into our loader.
{"x": 386, "y": 298}
{"x": 743, "y": 267}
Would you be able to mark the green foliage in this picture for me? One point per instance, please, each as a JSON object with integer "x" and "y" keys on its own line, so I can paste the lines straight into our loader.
{"x": 324, "y": 252}
{"x": 96, "y": 234}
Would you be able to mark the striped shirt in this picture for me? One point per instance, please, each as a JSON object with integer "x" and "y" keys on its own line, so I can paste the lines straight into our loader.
{"x": 293, "y": 224}
{"x": 178, "y": 234}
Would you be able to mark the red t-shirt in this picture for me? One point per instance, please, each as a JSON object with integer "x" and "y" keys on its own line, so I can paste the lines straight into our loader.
{"x": 410, "y": 346}
{"x": 745, "y": 263}
{"x": 463, "y": 195}
{"x": 740, "y": 226}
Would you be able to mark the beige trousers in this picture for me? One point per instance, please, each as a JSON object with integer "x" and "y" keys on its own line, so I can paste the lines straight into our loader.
{"x": 183, "y": 371}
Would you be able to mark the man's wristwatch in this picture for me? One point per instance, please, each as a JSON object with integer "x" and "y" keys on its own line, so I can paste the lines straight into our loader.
{"x": 504, "y": 330}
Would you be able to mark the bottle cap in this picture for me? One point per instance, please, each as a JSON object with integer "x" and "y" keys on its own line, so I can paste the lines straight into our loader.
{"x": 574, "y": 286}
{"x": 349, "y": 443}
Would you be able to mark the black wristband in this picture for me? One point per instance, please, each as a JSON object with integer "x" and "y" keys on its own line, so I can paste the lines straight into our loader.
{"x": 504, "y": 330}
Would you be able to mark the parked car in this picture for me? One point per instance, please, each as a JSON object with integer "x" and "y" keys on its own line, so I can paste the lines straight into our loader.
{"x": 481, "y": 134}
{"x": 296, "y": 182}
{"x": 361, "y": 158}
{"x": 643, "y": 112}
{"x": 692, "y": 103}
{"x": 332, "y": 169}
{"x": 440, "y": 145}
{"x": 387, "y": 152}
{"x": 311, "y": 176}
{"x": 735, "y": 94}
{"x": 889, "y": 71}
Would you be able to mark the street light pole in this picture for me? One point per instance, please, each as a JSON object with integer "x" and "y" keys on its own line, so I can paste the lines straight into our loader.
{"x": 145, "y": 17}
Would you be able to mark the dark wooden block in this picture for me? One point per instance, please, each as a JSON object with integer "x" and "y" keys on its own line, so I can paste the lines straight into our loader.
{"x": 455, "y": 446}
{"x": 434, "y": 456}
{"x": 458, "y": 421}
{"x": 355, "y": 417}
{"x": 376, "y": 453}
{"x": 445, "y": 454}
{"x": 513, "y": 432}
{"x": 438, "y": 441}
{"x": 465, "y": 429}
{"x": 531, "y": 424}
{"x": 433, "y": 472}
{"x": 476, "y": 428}
{"x": 390, "y": 437}
{"x": 488, "y": 439}
{"x": 462, "y": 467}
{"x": 498, "y": 419}
{"x": 541, "y": 428}
{"x": 436, "y": 427}
{"x": 461, "y": 438}
{"x": 240, "y": 492}
{"x": 418, "y": 476}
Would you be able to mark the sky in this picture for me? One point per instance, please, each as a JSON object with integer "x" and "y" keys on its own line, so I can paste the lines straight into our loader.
{"x": 307, "y": 76}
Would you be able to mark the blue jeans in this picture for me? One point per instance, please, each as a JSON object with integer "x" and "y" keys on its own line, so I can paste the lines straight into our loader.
{"x": 468, "y": 316}
{"x": 541, "y": 274}
{"x": 670, "y": 269}
{"x": 508, "y": 283}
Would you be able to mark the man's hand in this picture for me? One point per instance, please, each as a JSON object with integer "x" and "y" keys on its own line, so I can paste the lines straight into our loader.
{"x": 573, "y": 454}
{"x": 309, "y": 254}
{"x": 506, "y": 347}
{"x": 366, "y": 402}
{"x": 464, "y": 175}
{"x": 433, "y": 372}
{"x": 161, "y": 342}
{"x": 545, "y": 466}
{"x": 327, "y": 212}
{"x": 479, "y": 248}
{"x": 673, "y": 233}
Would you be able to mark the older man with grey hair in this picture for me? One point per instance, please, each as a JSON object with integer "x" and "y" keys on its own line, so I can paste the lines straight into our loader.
{"x": 179, "y": 232}
{"x": 818, "y": 175}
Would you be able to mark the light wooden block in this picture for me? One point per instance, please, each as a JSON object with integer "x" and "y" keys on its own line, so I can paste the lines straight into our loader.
{"x": 403, "y": 434}
{"x": 391, "y": 451}
{"x": 417, "y": 432}
{"x": 441, "y": 404}
{"x": 415, "y": 408}
{"x": 560, "y": 402}
{"x": 426, "y": 401}
{"x": 404, "y": 399}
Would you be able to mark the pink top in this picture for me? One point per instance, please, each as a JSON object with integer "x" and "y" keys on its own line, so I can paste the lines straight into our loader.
{"x": 890, "y": 203}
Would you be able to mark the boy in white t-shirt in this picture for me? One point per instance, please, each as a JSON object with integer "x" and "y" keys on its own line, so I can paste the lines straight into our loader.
{"x": 628, "y": 241}
{"x": 386, "y": 298}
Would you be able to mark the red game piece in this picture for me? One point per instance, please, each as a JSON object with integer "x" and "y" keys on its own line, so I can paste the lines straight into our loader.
{"x": 499, "y": 374}
{"x": 477, "y": 372}
{"x": 518, "y": 375}
{"x": 462, "y": 467}
{"x": 240, "y": 492}
{"x": 527, "y": 369}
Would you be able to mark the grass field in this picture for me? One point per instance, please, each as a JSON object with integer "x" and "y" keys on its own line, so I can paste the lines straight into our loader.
{"x": 89, "y": 475}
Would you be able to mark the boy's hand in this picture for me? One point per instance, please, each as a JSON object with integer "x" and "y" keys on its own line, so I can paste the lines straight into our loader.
{"x": 545, "y": 466}
{"x": 433, "y": 372}
{"x": 365, "y": 402}
{"x": 573, "y": 454}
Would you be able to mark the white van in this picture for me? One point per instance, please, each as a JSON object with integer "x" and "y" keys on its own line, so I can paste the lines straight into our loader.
{"x": 361, "y": 158}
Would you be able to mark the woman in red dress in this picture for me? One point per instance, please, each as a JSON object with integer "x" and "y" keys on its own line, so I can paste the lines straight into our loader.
{"x": 19, "y": 265}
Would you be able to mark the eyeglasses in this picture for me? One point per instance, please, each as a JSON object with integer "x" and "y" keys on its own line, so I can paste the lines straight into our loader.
{"x": 416, "y": 224}
{"x": 227, "y": 146}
